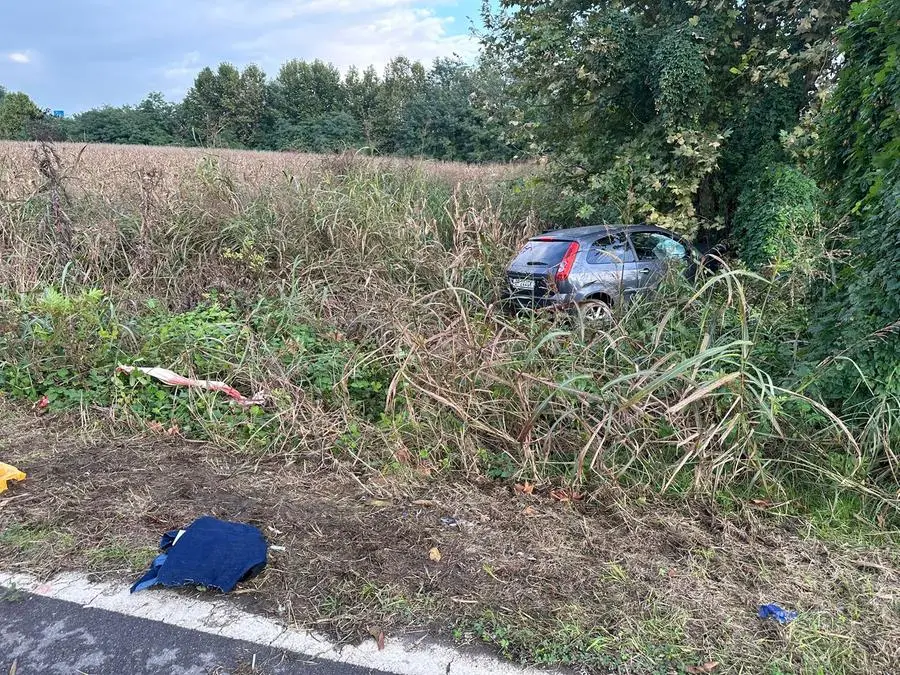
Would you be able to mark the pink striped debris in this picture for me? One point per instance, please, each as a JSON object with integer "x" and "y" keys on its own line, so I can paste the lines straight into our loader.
{"x": 175, "y": 380}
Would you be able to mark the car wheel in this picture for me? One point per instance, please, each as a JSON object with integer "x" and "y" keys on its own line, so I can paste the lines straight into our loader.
{"x": 594, "y": 311}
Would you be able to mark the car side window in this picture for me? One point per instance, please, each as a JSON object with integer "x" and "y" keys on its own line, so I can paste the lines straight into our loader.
{"x": 609, "y": 250}
{"x": 652, "y": 246}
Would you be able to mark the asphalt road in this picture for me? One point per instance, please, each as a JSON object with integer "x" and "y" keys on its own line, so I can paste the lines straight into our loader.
{"x": 43, "y": 636}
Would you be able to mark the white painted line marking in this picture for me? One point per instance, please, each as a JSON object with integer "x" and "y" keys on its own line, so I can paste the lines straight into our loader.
{"x": 220, "y": 617}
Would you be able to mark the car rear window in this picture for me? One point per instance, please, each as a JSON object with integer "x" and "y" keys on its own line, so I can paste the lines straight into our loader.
{"x": 546, "y": 252}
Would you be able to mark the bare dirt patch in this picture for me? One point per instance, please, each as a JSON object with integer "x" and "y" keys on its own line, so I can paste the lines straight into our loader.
{"x": 609, "y": 582}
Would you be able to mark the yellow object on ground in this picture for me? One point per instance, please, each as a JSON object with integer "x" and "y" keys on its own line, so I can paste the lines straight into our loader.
{"x": 8, "y": 472}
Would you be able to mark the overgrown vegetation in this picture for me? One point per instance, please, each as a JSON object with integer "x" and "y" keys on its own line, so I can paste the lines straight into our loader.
{"x": 661, "y": 110}
{"x": 858, "y": 312}
{"x": 359, "y": 295}
{"x": 365, "y": 298}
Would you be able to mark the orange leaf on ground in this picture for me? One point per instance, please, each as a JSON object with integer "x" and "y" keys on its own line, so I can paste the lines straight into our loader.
{"x": 565, "y": 495}
{"x": 435, "y": 554}
{"x": 525, "y": 488}
{"x": 707, "y": 667}
{"x": 529, "y": 511}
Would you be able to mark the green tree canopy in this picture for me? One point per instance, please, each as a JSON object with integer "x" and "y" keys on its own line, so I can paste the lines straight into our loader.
{"x": 362, "y": 93}
{"x": 441, "y": 121}
{"x": 303, "y": 90}
{"x": 151, "y": 122}
{"x": 403, "y": 83}
{"x": 226, "y": 106}
{"x": 652, "y": 110}
{"x": 17, "y": 110}
{"x": 412, "y": 110}
{"x": 324, "y": 133}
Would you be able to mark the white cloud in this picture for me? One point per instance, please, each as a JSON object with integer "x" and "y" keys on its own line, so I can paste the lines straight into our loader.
{"x": 180, "y": 74}
{"x": 246, "y": 12}
{"x": 19, "y": 57}
{"x": 361, "y": 37}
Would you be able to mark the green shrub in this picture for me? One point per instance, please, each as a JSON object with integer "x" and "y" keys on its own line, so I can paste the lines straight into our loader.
{"x": 858, "y": 314}
{"x": 206, "y": 341}
{"x": 62, "y": 346}
{"x": 777, "y": 212}
{"x": 328, "y": 366}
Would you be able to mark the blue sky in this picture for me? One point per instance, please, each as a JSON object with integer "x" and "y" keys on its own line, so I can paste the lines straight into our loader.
{"x": 77, "y": 54}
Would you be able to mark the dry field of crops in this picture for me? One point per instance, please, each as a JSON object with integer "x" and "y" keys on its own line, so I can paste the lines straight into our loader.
{"x": 102, "y": 168}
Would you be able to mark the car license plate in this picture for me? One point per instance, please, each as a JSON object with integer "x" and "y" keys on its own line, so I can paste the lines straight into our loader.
{"x": 522, "y": 284}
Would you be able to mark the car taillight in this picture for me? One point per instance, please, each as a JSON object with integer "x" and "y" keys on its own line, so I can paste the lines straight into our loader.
{"x": 568, "y": 261}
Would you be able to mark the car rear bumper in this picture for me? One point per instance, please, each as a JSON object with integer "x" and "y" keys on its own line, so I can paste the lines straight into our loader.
{"x": 520, "y": 301}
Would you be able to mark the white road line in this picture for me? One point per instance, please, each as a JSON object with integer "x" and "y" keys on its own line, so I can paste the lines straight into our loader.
{"x": 220, "y": 617}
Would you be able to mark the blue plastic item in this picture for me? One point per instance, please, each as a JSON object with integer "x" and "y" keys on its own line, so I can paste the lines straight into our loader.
{"x": 211, "y": 553}
{"x": 782, "y": 616}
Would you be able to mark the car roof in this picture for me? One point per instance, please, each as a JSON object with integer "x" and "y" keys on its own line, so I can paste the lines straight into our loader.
{"x": 591, "y": 231}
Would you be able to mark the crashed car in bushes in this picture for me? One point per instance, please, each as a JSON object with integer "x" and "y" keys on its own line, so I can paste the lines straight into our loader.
{"x": 594, "y": 268}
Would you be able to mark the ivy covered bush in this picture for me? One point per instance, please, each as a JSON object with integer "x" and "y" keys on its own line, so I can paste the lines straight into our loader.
{"x": 858, "y": 311}
{"x": 776, "y": 212}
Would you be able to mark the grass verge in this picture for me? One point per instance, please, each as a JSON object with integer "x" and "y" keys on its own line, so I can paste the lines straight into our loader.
{"x": 617, "y": 581}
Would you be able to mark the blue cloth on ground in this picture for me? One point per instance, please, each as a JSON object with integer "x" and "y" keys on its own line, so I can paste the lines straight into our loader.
{"x": 782, "y": 616}
{"x": 210, "y": 553}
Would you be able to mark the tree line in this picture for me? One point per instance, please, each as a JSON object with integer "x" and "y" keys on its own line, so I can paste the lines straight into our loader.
{"x": 309, "y": 106}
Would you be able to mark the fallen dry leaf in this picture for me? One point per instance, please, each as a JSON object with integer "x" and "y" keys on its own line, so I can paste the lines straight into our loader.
{"x": 14, "y": 667}
{"x": 435, "y": 554}
{"x": 707, "y": 667}
{"x": 762, "y": 503}
{"x": 565, "y": 495}
{"x": 529, "y": 511}
{"x": 525, "y": 488}
{"x": 422, "y": 502}
{"x": 403, "y": 456}
{"x": 378, "y": 635}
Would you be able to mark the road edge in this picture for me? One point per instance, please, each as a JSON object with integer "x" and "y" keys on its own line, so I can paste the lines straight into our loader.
{"x": 220, "y": 617}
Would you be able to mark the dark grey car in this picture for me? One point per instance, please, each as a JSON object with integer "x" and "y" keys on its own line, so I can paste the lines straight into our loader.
{"x": 594, "y": 267}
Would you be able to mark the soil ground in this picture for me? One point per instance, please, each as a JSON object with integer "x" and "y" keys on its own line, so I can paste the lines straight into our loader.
{"x": 611, "y": 582}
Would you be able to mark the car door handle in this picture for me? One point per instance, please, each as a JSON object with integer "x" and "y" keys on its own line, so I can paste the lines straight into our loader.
{"x": 646, "y": 270}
